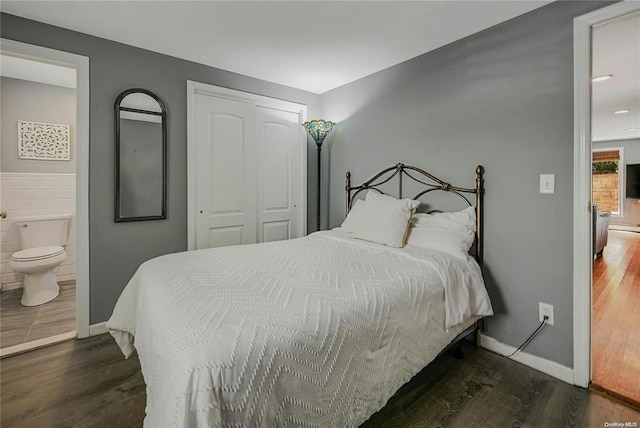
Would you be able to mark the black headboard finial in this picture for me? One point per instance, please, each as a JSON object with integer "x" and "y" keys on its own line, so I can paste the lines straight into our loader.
{"x": 479, "y": 173}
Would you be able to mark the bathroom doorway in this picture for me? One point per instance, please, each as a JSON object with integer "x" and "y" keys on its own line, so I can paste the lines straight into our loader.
{"x": 43, "y": 172}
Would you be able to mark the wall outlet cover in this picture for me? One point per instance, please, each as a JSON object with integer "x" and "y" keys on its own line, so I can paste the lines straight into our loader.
{"x": 547, "y": 183}
{"x": 545, "y": 309}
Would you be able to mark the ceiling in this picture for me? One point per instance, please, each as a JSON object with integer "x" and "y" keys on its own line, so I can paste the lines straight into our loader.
{"x": 36, "y": 71}
{"x": 320, "y": 45}
{"x": 311, "y": 45}
{"x": 616, "y": 51}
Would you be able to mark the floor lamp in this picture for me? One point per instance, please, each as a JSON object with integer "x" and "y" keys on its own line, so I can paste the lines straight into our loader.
{"x": 318, "y": 129}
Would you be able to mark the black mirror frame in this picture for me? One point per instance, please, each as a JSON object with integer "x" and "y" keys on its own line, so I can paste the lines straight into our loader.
{"x": 163, "y": 115}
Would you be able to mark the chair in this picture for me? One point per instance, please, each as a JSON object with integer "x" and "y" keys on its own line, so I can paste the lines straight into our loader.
{"x": 601, "y": 220}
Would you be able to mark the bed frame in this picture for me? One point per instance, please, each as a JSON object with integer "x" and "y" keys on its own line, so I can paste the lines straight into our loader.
{"x": 431, "y": 184}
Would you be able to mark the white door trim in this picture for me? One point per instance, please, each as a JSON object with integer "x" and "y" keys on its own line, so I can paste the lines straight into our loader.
{"x": 582, "y": 246}
{"x": 81, "y": 64}
{"x": 194, "y": 88}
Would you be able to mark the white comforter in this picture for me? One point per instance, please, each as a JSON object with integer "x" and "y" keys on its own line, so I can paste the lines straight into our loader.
{"x": 315, "y": 331}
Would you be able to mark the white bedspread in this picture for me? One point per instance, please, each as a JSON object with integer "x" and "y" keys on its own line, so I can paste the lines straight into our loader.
{"x": 315, "y": 331}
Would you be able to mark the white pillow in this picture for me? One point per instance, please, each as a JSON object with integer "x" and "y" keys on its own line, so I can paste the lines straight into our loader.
{"x": 385, "y": 219}
{"x": 452, "y": 233}
{"x": 465, "y": 218}
{"x": 353, "y": 218}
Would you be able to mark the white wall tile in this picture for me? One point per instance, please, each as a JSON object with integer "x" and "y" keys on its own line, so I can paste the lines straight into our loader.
{"x": 26, "y": 194}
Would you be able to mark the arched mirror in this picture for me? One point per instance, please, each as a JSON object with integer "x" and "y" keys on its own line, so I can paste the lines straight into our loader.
{"x": 141, "y": 156}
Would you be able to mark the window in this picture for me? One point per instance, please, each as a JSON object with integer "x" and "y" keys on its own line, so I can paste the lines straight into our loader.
{"x": 607, "y": 179}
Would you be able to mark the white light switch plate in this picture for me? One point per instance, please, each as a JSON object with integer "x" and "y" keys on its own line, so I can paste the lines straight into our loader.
{"x": 547, "y": 183}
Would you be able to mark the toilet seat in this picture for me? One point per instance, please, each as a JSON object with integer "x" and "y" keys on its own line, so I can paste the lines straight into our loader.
{"x": 38, "y": 253}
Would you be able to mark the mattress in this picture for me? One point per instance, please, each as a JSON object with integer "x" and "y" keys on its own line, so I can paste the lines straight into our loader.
{"x": 315, "y": 331}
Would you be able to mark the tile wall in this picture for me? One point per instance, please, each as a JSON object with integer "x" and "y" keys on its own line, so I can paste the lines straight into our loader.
{"x": 28, "y": 194}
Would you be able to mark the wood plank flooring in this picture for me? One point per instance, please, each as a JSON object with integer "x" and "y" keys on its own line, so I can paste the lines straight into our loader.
{"x": 616, "y": 317}
{"x": 79, "y": 383}
{"x": 20, "y": 324}
{"x": 87, "y": 383}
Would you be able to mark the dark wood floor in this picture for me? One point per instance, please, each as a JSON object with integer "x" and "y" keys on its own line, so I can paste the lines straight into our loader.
{"x": 21, "y": 324}
{"x": 616, "y": 316}
{"x": 87, "y": 383}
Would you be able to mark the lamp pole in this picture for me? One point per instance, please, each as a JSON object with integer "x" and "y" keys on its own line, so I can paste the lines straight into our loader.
{"x": 318, "y": 187}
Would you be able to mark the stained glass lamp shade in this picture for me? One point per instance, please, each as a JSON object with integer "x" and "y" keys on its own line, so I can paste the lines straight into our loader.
{"x": 318, "y": 129}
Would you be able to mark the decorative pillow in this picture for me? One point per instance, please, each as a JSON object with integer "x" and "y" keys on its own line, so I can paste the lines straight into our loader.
{"x": 385, "y": 219}
{"x": 452, "y": 232}
{"x": 353, "y": 218}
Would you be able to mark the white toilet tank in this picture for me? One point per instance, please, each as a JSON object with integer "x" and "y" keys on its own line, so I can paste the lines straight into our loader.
{"x": 43, "y": 230}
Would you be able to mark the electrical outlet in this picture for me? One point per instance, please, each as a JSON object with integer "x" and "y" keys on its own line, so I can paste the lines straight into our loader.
{"x": 546, "y": 309}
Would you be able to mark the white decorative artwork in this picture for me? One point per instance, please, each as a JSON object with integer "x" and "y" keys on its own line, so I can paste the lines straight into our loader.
{"x": 43, "y": 141}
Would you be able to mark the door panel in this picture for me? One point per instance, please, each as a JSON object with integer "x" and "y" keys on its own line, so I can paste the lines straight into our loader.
{"x": 226, "y": 132}
{"x": 225, "y": 172}
{"x": 223, "y": 236}
{"x": 278, "y": 134}
{"x": 276, "y": 171}
{"x": 276, "y": 231}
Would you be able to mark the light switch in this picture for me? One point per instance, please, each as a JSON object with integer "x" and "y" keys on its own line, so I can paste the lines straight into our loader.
{"x": 547, "y": 183}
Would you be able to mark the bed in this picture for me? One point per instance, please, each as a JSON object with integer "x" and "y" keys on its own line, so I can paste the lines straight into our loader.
{"x": 315, "y": 331}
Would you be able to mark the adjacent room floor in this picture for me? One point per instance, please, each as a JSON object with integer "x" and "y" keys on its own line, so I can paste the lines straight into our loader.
{"x": 20, "y": 324}
{"x": 616, "y": 317}
{"x": 88, "y": 383}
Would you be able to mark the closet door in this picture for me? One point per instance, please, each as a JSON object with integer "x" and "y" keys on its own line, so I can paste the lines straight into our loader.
{"x": 226, "y": 180}
{"x": 279, "y": 183}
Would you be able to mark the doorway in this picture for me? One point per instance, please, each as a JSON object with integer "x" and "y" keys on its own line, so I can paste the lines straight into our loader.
{"x": 78, "y": 196}
{"x": 615, "y": 333}
{"x": 586, "y": 276}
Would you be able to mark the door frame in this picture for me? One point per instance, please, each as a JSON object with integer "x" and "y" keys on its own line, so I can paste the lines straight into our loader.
{"x": 582, "y": 233}
{"x": 194, "y": 88}
{"x": 81, "y": 65}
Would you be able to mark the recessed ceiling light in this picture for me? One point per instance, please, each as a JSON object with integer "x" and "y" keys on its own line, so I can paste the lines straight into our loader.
{"x": 602, "y": 78}
{"x": 622, "y": 111}
{"x": 631, "y": 129}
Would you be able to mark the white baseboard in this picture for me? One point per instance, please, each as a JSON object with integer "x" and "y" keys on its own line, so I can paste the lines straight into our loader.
{"x": 12, "y": 286}
{"x": 624, "y": 227}
{"x": 7, "y": 286}
{"x": 543, "y": 365}
{"x": 96, "y": 329}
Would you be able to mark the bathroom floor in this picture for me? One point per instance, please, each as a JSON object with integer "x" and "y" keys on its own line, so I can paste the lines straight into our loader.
{"x": 20, "y": 324}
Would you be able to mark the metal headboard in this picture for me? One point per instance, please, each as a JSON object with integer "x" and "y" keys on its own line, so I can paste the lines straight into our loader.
{"x": 431, "y": 184}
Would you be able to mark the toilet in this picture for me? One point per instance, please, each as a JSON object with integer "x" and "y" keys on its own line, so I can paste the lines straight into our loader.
{"x": 43, "y": 239}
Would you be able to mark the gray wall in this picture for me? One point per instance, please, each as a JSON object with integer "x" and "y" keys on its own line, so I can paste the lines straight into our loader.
{"x": 502, "y": 98}
{"x": 35, "y": 102}
{"x": 631, "y": 154}
{"x": 116, "y": 250}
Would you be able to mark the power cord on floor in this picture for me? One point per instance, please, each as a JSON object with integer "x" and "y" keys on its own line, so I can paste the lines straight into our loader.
{"x": 530, "y": 338}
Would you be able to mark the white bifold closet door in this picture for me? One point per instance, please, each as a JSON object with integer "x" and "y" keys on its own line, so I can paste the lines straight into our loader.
{"x": 278, "y": 174}
{"x": 248, "y": 174}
